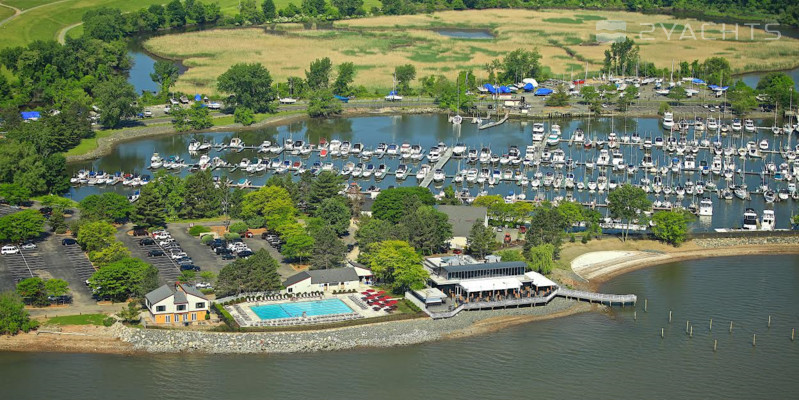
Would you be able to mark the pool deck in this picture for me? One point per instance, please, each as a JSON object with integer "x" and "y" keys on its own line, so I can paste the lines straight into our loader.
{"x": 244, "y": 314}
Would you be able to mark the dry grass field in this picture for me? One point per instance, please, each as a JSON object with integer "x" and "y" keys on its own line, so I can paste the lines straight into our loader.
{"x": 566, "y": 39}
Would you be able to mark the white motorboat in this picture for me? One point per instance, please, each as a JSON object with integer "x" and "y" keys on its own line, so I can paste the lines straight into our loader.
{"x": 538, "y": 132}
{"x": 768, "y": 221}
{"x": 668, "y": 120}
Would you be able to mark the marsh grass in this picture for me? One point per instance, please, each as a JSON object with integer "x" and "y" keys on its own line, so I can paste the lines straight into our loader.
{"x": 381, "y": 43}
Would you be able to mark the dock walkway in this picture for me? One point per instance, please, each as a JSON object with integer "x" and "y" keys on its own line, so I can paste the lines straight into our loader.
{"x": 601, "y": 298}
{"x": 439, "y": 165}
{"x": 495, "y": 123}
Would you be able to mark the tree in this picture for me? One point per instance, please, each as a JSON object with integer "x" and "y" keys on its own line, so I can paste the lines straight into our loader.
{"x": 244, "y": 116}
{"x": 113, "y": 252}
{"x": 33, "y": 292}
{"x": 201, "y": 199}
{"x": 57, "y": 221}
{"x": 250, "y": 13}
{"x": 328, "y": 250}
{"x": 322, "y": 103}
{"x": 269, "y": 10}
{"x": 627, "y": 98}
{"x": 671, "y": 226}
{"x": 326, "y": 185}
{"x": 149, "y": 211}
{"x": 717, "y": 71}
{"x": 349, "y": 7}
{"x": 541, "y": 258}
{"x": 319, "y": 76}
{"x": 481, "y": 239}
{"x": 165, "y": 74}
{"x": 392, "y": 7}
{"x": 250, "y": 85}
{"x": 778, "y": 87}
{"x": 56, "y": 287}
{"x": 297, "y": 246}
{"x": 335, "y": 214}
{"x": 558, "y": 99}
{"x": 372, "y": 230}
{"x": 104, "y": 24}
{"x": 13, "y": 316}
{"x": 508, "y": 255}
{"x": 677, "y": 93}
{"x": 14, "y": 193}
{"x": 520, "y": 64}
{"x": 196, "y": 117}
{"x": 175, "y": 13}
{"x": 627, "y": 202}
{"x": 346, "y": 75}
{"x": 258, "y": 273}
{"x": 271, "y": 202}
{"x": 132, "y": 313}
{"x": 130, "y": 277}
{"x": 395, "y": 263}
{"x": 21, "y": 226}
{"x": 116, "y": 99}
{"x": 390, "y": 204}
{"x": 742, "y": 98}
{"x": 208, "y": 277}
{"x": 404, "y": 74}
{"x": 314, "y": 7}
{"x": 546, "y": 227}
{"x": 109, "y": 206}
{"x": 429, "y": 230}
{"x": 94, "y": 236}
{"x": 571, "y": 212}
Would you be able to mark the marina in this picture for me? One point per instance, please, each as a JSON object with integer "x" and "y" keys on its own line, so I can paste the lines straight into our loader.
{"x": 553, "y": 160}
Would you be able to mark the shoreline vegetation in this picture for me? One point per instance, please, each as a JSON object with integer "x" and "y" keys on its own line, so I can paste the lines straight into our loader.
{"x": 629, "y": 256}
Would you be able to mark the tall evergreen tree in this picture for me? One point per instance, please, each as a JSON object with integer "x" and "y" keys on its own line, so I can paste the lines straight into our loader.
{"x": 268, "y": 7}
{"x": 328, "y": 250}
{"x": 149, "y": 210}
{"x": 201, "y": 197}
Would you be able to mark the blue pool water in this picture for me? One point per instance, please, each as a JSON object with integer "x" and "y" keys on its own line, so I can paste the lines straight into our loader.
{"x": 311, "y": 309}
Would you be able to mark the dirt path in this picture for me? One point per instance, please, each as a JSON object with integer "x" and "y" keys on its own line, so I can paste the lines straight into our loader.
{"x": 67, "y": 339}
{"x": 62, "y": 34}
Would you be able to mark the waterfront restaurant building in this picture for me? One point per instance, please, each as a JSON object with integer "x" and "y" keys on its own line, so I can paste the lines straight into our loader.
{"x": 463, "y": 276}
{"x": 180, "y": 303}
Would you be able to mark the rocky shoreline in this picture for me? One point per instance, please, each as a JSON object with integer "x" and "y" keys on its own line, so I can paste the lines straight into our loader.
{"x": 389, "y": 334}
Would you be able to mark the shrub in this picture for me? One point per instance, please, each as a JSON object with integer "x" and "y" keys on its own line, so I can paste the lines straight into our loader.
{"x": 198, "y": 229}
{"x": 586, "y": 238}
{"x": 207, "y": 239}
{"x": 256, "y": 222}
{"x": 109, "y": 321}
{"x": 663, "y": 108}
{"x": 238, "y": 227}
{"x": 244, "y": 116}
{"x": 572, "y": 238}
{"x": 231, "y": 236}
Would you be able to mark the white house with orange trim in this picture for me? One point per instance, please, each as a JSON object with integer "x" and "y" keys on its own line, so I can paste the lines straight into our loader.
{"x": 177, "y": 304}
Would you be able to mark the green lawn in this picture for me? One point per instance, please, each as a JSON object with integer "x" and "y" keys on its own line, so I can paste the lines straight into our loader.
{"x": 87, "y": 145}
{"x": 5, "y": 12}
{"x": 45, "y": 22}
{"x": 85, "y": 319}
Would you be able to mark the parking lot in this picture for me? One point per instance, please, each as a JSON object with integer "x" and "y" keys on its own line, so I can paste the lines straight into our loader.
{"x": 168, "y": 269}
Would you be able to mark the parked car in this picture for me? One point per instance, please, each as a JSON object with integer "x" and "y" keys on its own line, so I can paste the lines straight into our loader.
{"x": 146, "y": 242}
{"x": 189, "y": 267}
{"x": 161, "y": 235}
{"x": 60, "y": 299}
{"x": 222, "y": 251}
{"x": 247, "y": 234}
{"x": 68, "y": 242}
{"x": 28, "y": 246}
{"x": 244, "y": 254}
{"x": 184, "y": 261}
{"x": 228, "y": 256}
{"x": 155, "y": 253}
{"x": 165, "y": 242}
{"x": 178, "y": 254}
{"x": 203, "y": 285}
{"x": 9, "y": 250}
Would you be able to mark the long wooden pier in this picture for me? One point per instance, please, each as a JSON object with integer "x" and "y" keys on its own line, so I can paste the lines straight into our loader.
{"x": 609, "y": 299}
{"x": 439, "y": 165}
{"x": 495, "y": 123}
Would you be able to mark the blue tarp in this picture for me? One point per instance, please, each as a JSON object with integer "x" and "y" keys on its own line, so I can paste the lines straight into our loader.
{"x": 197, "y": 97}
{"x": 491, "y": 89}
{"x": 347, "y": 99}
{"x": 26, "y": 115}
{"x": 698, "y": 81}
{"x": 528, "y": 87}
{"x": 391, "y": 93}
{"x": 543, "y": 92}
{"x": 717, "y": 87}
{"x": 504, "y": 89}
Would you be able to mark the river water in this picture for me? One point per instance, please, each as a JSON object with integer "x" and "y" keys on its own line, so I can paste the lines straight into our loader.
{"x": 428, "y": 130}
{"x": 592, "y": 355}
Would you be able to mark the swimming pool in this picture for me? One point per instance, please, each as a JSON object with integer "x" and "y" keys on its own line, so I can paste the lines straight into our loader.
{"x": 311, "y": 308}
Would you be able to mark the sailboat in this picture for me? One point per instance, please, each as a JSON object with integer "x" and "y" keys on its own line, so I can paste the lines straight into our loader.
{"x": 457, "y": 119}
{"x": 290, "y": 99}
{"x": 394, "y": 96}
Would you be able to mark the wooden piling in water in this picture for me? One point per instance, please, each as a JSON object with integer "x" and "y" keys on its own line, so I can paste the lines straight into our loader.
{"x": 769, "y": 321}
{"x": 662, "y": 333}
{"x": 711, "y": 324}
{"x": 793, "y": 332}
{"x": 730, "y": 326}
{"x": 686, "y": 326}
{"x": 635, "y": 315}
{"x": 646, "y": 301}
{"x": 691, "y": 334}
{"x": 715, "y": 344}
{"x": 669, "y": 316}
{"x": 754, "y": 339}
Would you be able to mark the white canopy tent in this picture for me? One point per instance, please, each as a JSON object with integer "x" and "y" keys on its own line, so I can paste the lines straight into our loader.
{"x": 539, "y": 280}
{"x": 490, "y": 284}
